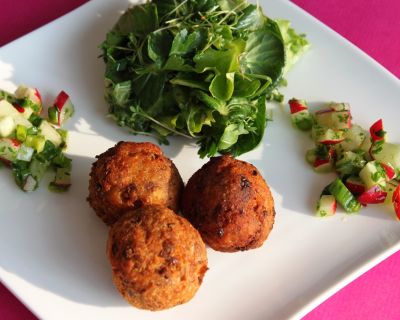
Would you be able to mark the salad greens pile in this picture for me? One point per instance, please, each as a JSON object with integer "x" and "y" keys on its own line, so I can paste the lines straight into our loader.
{"x": 202, "y": 69}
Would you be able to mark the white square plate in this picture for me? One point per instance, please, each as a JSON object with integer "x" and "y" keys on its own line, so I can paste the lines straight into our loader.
{"x": 52, "y": 246}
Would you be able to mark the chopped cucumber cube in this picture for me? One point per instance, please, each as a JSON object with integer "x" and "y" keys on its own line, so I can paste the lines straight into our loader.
{"x": 7, "y": 126}
{"x": 326, "y": 206}
{"x": 62, "y": 180}
{"x": 302, "y": 120}
{"x": 388, "y": 153}
{"x": 38, "y": 168}
{"x": 373, "y": 174}
{"x": 9, "y": 148}
{"x": 25, "y": 153}
{"x": 50, "y": 133}
{"x": 350, "y": 163}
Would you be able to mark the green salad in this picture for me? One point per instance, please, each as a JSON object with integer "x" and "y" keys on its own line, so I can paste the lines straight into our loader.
{"x": 202, "y": 69}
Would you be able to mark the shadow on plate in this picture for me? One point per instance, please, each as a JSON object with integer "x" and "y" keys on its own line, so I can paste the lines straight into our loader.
{"x": 66, "y": 253}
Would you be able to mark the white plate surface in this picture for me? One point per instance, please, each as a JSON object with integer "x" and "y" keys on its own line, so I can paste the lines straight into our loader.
{"x": 52, "y": 246}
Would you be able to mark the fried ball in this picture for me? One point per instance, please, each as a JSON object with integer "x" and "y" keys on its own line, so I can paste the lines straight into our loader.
{"x": 158, "y": 259}
{"x": 230, "y": 204}
{"x": 130, "y": 175}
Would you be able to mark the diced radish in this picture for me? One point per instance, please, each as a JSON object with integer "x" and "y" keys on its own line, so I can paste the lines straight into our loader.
{"x": 326, "y": 206}
{"x": 342, "y": 119}
{"x": 323, "y": 158}
{"x": 331, "y": 136}
{"x": 396, "y": 201}
{"x": 391, "y": 186}
{"x": 297, "y": 105}
{"x": 324, "y": 117}
{"x": 353, "y": 139}
{"x": 377, "y": 132}
{"x": 366, "y": 147}
{"x": 322, "y": 111}
{"x": 61, "y": 110}
{"x": 339, "y": 106}
{"x": 373, "y": 174}
{"x": 390, "y": 172}
{"x": 355, "y": 185}
{"x": 323, "y": 165}
{"x": 8, "y": 150}
{"x": 7, "y": 109}
{"x": 38, "y": 96}
{"x": 7, "y": 126}
{"x": 396, "y": 194}
{"x": 396, "y": 206}
{"x": 19, "y": 108}
{"x": 26, "y": 112}
{"x": 372, "y": 196}
{"x": 30, "y": 97}
{"x": 334, "y": 119}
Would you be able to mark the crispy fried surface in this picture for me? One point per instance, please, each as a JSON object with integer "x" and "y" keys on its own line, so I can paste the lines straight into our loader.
{"x": 230, "y": 204}
{"x": 158, "y": 259}
{"x": 130, "y": 175}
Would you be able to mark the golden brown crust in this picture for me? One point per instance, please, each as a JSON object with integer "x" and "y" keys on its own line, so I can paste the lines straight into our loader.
{"x": 130, "y": 175}
{"x": 158, "y": 259}
{"x": 230, "y": 204}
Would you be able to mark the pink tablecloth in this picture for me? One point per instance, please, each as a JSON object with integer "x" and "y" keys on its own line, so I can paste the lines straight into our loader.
{"x": 372, "y": 25}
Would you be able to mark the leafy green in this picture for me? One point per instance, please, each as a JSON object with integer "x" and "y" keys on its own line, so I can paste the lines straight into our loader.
{"x": 295, "y": 44}
{"x": 202, "y": 69}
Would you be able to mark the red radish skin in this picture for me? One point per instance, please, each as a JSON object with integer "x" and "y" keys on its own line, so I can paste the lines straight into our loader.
{"x": 396, "y": 194}
{"x": 355, "y": 188}
{"x": 332, "y": 141}
{"x": 37, "y": 94}
{"x": 296, "y": 106}
{"x": 6, "y": 162}
{"x": 334, "y": 207}
{"x": 19, "y": 108}
{"x": 397, "y": 209}
{"x": 390, "y": 172}
{"x": 324, "y": 111}
{"x": 15, "y": 142}
{"x": 376, "y": 131}
{"x": 320, "y": 162}
{"x": 373, "y": 195}
{"x": 60, "y": 100}
{"x": 332, "y": 154}
{"x": 349, "y": 118}
{"x": 396, "y": 201}
{"x": 324, "y": 161}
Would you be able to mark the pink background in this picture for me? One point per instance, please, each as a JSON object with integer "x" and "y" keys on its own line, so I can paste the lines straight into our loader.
{"x": 373, "y": 26}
